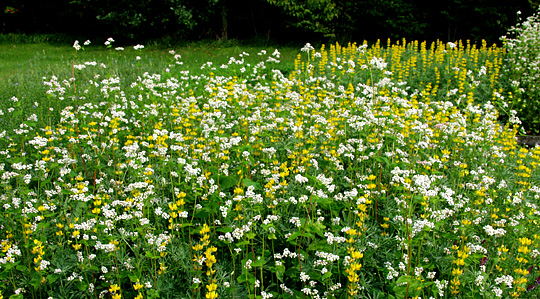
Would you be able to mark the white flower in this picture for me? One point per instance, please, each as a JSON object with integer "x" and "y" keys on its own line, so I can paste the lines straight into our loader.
{"x": 76, "y": 45}
{"x": 378, "y": 63}
{"x": 109, "y": 41}
{"x": 498, "y": 292}
{"x": 300, "y": 179}
{"x": 307, "y": 48}
{"x": 138, "y": 47}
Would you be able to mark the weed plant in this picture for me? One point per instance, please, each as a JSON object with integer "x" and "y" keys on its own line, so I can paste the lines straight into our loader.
{"x": 364, "y": 173}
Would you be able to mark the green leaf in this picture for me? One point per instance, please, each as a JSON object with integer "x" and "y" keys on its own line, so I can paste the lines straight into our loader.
{"x": 259, "y": 263}
{"x": 225, "y": 182}
{"x": 326, "y": 275}
{"x": 51, "y": 278}
{"x": 82, "y": 286}
{"x": 248, "y": 182}
{"x": 280, "y": 271}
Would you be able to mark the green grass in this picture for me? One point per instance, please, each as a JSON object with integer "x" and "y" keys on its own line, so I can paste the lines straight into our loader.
{"x": 24, "y": 63}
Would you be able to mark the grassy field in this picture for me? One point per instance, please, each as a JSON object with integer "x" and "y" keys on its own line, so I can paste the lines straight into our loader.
{"x": 23, "y": 66}
{"x": 233, "y": 172}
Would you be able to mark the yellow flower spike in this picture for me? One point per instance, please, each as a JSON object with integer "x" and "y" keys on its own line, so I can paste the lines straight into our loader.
{"x": 525, "y": 241}
{"x": 357, "y": 255}
{"x": 205, "y": 229}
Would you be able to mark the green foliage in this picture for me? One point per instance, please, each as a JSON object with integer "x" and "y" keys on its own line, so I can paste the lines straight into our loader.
{"x": 144, "y": 18}
{"x": 523, "y": 72}
{"x": 317, "y": 16}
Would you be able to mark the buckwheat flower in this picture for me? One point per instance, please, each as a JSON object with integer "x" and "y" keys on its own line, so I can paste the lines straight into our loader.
{"x": 138, "y": 47}
{"x": 306, "y": 48}
{"x": 300, "y": 179}
{"x": 497, "y": 291}
{"x": 296, "y": 221}
{"x": 196, "y": 280}
{"x": 87, "y": 42}
{"x": 452, "y": 45}
{"x": 76, "y": 45}
{"x": 362, "y": 48}
{"x": 304, "y": 277}
{"x": 109, "y": 41}
{"x": 248, "y": 264}
{"x": 479, "y": 279}
{"x": 378, "y": 63}
{"x": 506, "y": 279}
{"x": 119, "y": 49}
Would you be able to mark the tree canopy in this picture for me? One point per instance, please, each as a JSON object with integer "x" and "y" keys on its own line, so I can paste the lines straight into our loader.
{"x": 282, "y": 20}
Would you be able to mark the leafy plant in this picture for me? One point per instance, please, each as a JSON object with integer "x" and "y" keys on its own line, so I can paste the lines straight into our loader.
{"x": 522, "y": 71}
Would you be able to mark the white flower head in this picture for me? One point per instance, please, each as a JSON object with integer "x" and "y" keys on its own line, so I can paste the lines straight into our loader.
{"x": 109, "y": 41}
{"x": 307, "y": 48}
{"x": 76, "y": 45}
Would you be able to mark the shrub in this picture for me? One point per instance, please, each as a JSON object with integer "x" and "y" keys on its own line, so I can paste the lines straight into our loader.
{"x": 522, "y": 72}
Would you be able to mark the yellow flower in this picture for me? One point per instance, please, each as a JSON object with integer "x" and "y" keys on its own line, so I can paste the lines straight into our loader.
{"x": 211, "y": 294}
{"x": 137, "y": 286}
{"x": 113, "y": 288}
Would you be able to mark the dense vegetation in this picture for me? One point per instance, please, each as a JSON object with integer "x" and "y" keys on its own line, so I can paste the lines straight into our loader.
{"x": 215, "y": 170}
{"x": 365, "y": 172}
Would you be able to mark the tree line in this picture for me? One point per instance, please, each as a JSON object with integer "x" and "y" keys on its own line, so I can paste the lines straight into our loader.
{"x": 276, "y": 20}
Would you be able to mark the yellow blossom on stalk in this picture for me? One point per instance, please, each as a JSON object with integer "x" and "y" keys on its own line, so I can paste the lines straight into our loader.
{"x": 211, "y": 293}
{"x": 205, "y": 229}
{"x": 162, "y": 268}
{"x": 114, "y": 288}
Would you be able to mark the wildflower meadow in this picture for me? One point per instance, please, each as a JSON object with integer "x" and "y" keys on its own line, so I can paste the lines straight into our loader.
{"x": 364, "y": 172}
